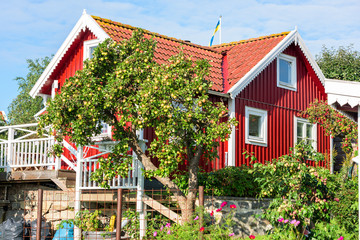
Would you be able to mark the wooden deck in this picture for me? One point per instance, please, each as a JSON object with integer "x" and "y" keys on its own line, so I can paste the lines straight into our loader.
{"x": 64, "y": 179}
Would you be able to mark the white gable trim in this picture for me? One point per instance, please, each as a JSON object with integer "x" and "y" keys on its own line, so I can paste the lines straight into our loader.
{"x": 85, "y": 21}
{"x": 293, "y": 36}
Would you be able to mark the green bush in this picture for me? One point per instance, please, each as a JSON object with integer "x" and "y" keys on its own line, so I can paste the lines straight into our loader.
{"x": 229, "y": 181}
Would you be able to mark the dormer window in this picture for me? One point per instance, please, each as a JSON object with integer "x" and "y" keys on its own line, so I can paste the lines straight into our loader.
{"x": 89, "y": 47}
{"x": 286, "y": 72}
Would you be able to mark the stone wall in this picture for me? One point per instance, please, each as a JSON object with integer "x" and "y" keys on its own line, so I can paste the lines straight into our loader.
{"x": 245, "y": 220}
{"x": 22, "y": 203}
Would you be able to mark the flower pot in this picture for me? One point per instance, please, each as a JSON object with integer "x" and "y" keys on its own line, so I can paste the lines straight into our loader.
{"x": 99, "y": 235}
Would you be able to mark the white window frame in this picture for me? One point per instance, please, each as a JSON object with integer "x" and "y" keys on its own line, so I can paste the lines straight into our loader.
{"x": 103, "y": 136}
{"x": 88, "y": 45}
{"x": 314, "y": 131}
{"x": 293, "y": 83}
{"x": 262, "y": 140}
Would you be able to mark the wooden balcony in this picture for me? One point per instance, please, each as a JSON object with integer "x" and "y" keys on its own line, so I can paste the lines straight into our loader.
{"x": 24, "y": 156}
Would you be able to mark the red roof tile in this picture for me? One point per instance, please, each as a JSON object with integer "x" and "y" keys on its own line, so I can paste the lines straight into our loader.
{"x": 167, "y": 47}
{"x": 242, "y": 56}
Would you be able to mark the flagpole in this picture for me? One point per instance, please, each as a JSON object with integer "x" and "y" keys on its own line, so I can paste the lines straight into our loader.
{"x": 220, "y": 30}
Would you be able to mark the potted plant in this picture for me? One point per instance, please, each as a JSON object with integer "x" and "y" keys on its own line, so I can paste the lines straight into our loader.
{"x": 90, "y": 225}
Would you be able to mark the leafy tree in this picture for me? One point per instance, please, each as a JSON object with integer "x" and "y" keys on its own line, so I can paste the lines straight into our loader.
{"x": 342, "y": 63}
{"x": 123, "y": 86}
{"x": 23, "y": 108}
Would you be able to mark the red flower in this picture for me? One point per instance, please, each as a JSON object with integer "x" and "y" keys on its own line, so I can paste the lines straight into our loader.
{"x": 212, "y": 213}
{"x": 232, "y": 206}
{"x": 252, "y": 237}
{"x": 223, "y": 204}
{"x": 218, "y": 210}
{"x": 202, "y": 229}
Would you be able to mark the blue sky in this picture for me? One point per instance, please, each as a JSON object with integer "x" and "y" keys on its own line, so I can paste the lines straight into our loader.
{"x": 36, "y": 28}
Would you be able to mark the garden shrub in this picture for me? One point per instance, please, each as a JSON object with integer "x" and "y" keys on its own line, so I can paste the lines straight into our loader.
{"x": 229, "y": 181}
{"x": 305, "y": 196}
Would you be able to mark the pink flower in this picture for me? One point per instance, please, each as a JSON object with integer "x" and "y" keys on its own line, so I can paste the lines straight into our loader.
{"x": 232, "y": 206}
{"x": 197, "y": 217}
{"x": 341, "y": 238}
{"x": 218, "y": 210}
{"x": 295, "y": 222}
{"x": 252, "y": 237}
{"x": 280, "y": 220}
{"x": 223, "y": 204}
{"x": 169, "y": 232}
{"x": 286, "y": 221}
{"x": 162, "y": 227}
{"x": 231, "y": 234}
{"x": 155, "y": 234}
{"x": 336, "y": 199}
{"x": 202, "y": 229}
{"x": 168, "y": 225}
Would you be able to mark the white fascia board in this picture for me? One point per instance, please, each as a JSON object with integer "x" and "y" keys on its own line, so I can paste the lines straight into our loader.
{"x": 310, "y": 58}
{"x": 220, "y": 94}
{"x": 84, "y": 21}
{"x": 293, "y": 36}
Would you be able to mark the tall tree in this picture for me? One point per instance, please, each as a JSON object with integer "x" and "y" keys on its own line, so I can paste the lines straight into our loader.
{"x": 123, "y": 86}
{"x": 23, "y": 108}
{"x": 342, "y": 63}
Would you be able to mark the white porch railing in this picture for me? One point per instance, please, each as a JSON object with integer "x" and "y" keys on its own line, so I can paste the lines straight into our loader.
{"x": 20, "y": 147}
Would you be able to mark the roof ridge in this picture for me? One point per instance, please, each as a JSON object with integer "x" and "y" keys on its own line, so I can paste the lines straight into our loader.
{"x": 157, "y": 34}
{"x": 250, "y": 40}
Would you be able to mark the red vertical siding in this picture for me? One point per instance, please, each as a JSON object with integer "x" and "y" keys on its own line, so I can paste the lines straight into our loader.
{"x": 73, "y": 59}
{"x": 71, "y": 62}
{"x": 282, "y": 105}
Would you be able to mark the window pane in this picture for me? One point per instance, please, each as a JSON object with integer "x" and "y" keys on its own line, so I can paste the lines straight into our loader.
{"x": 285, "y": 71}
{"x": 254, "y": 125}
{"x": 104, "y": 128}
{"x": 309, "y": 131}
{"x": 91, "y": 51}
{"x": 299, "y": 129}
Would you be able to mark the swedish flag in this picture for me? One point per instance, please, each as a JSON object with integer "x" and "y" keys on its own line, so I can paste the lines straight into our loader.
{"x": 216, "y": 29}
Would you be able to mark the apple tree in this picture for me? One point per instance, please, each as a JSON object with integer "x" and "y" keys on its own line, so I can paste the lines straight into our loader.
{"x": 125, "y": 87}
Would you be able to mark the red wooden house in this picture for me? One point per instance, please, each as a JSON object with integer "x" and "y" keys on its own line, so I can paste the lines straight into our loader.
{"x": 266, "y": 82}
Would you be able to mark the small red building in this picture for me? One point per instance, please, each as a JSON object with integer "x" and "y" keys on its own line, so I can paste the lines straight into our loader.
{"x": 266, "y": 81}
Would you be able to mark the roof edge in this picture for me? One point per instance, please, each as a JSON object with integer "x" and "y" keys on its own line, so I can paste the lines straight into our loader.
{"x": 293, "y": 36}
{"x": 85, "y": 21}
{"x": 262, "y": 64}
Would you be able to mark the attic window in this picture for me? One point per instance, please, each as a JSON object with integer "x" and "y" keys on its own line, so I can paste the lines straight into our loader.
{"x": 89, "y": 47}
{"x": 286, "y": 72}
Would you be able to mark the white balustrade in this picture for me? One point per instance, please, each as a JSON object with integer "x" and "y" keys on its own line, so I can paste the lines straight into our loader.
{"x": 88, "y": 167}
{"x": 21, "y": 147}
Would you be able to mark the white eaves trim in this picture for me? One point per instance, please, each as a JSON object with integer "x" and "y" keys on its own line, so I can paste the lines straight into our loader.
{"x": 293, "y": 36}
{"x": 85, "y": 21}
{"x": 343, "y": 92}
